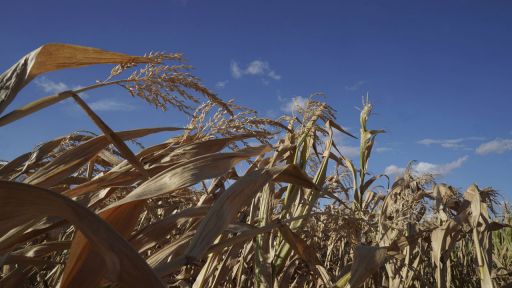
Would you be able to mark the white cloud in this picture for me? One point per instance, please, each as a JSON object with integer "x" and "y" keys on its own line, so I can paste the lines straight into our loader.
{"x": 292, "y": 105}
{"x": 110, "y": 105}
{"x": 356, "y": 86}
{"x": 272, "y": 74}
{"x": 449, "y": 143}
{"x": 53, "y": 87}
{"x": 382, "y": 149}
{"x": 354, "y": 151}
{"x": 497, "y": 145}
{"x": 221, "y": 84}
{"x": 350, "y": 151}
{"x": 441, "y": 169}
{"x": 393, "y": 170}
{"x": 236, "y": 72}
{"x": 421, "y": 168}
{"x": 343, "y": 142}
{"x": 254, "y": 68}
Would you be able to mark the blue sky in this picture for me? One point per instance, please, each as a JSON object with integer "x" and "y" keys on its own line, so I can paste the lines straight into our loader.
{"x": 438, "y": 72}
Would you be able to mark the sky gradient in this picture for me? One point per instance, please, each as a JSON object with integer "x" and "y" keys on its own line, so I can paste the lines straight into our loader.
{"x": 437, "y": 72}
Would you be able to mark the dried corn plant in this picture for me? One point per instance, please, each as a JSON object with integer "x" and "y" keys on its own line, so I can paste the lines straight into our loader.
{"x": 210, "y": 208}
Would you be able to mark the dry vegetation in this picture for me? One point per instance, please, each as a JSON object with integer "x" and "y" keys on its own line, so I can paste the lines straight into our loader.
{"x": 206, "y": 209}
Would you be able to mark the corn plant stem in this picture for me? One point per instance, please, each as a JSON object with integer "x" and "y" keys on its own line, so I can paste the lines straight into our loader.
{"x": 284, "y": 250}
{"x": 262, "y": 275}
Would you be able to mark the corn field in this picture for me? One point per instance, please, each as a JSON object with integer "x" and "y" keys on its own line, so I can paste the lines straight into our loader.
{"x": 209, "y": 208}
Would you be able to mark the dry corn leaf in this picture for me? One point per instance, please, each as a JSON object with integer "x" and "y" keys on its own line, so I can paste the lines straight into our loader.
{"x": 367, "y": 260}
{"x": 156, "y": 231}
{"x": 70, "y": 161}
{"x": 84, "y": 264}
{"x": 189, "y": 173}
{"x": 16, "y": 278}
{"x": 123, "y": 214}
{"x": 42, "y": 249}
{"x": 195, "y": 149}
{"x": 36, "y": 155}
{"x": 121, "y": 175}
{"x": 443, "y": 241}
{"x": 248, "y": 232}
{"x": 21, "y": 201}
{"x": 13, "y": 165}
{"x": 472, "y": 195}
{"x": 306, "y": 252}
{"x": 111, "y": 136}
{"x": 170, "y": 251}
{"x": 51, "y": 57}
{"x": 225, "y": 208}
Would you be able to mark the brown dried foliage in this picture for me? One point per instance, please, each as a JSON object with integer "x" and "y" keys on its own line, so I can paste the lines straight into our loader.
{"x": 206, "y": 209}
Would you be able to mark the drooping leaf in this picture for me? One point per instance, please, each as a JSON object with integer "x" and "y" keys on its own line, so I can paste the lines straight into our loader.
{"x": 51, "y": 57}
{"x": 367, "y": 260}
{"x": 189, "y": 173}
{"x": 225, "y": 209}
{"x": 68, "y": 162}
{"x": 21, "y": 202}
{"x": 306, "y": 252}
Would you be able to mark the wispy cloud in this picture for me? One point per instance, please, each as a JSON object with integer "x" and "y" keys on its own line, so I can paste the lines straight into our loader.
{"x": 254, "y": 68}
{"x": 354, "y": 151}
{"x": 346, "y": 144}
{"x": 349, "y": 151}
{"x": 497, "y": 146}
{"x": 272, "y": 74}
{"x": 394, "y": 170}
{"x": 293, "y": 104}
{"x": 110, "y": 105}
{"x": 440, "y": 169}
{"x": 356, "y": 86}
{"x": 421, "y": 168}
{"x": 221, "y": 84}
{"x": 236, "y": 72}
{"x": 383, "y": 149}
{"x": 53, "y": 87}
{"x": 449, "y": 143}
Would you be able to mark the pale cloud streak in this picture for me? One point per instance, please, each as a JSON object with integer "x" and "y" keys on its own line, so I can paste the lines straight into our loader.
{"x": 110, "y": 105}
{"x": 497, "y": 146}
{"x": 354, "y": 151}
{"x": 421, "y": 168}
{"x": 356, "y": 86}
{"x": 221, "y": 84}
{"x": 254, "y": 68}
{"x": 394, "y": 170}
{"x": 383, "y": 149}
{"x": 53, "y": 87}
{"x": 236, "y": 72}
{"x": 449, "y": 143}
{"x": 349, "y": 151}
{"x": 343, "y": 143}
